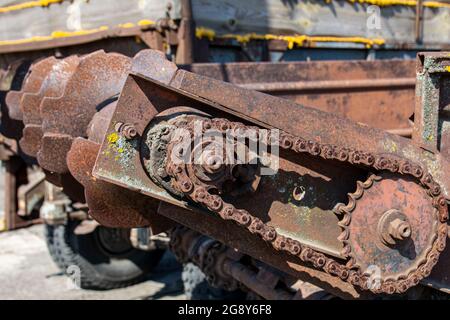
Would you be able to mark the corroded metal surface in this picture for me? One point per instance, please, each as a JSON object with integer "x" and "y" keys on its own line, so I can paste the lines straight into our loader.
{"x": 432, "y": 113}
{"x": 370, "y": 229}
{"x": 109, "y": 204}
{"x": 249, "y": 244}
{"x": 228, "y": 269}
{"x": 429, "y": 237}
{"x": 53, "y": 85}
{"x": 115, "y": 154}
{"x": 32, "y": 84}
{"x": 377, "y": 93}
{"x": 143, "y": 98}
{"x": 98, "y": 77}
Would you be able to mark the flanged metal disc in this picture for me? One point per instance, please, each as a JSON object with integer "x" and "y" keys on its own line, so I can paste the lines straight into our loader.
{"x": 392, "y": 227}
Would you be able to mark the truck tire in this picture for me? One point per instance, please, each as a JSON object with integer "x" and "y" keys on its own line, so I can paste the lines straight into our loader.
{"x": 196, "y": 287}
{"x": 49, "y": 232}
{"x": 104, "y": 258}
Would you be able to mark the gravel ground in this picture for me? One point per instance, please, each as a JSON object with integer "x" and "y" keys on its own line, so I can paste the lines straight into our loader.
{"x": 28, "y": 272}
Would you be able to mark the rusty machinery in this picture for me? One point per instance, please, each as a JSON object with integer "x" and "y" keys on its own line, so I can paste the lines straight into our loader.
{"x": 332, "y": 86}
{"x": 352, "y": 209}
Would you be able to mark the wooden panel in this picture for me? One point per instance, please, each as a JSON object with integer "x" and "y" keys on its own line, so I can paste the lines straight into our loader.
{"x": 318, "y": 18}
{"x": 78, "y": 15}
{"x": 280, "y": 17}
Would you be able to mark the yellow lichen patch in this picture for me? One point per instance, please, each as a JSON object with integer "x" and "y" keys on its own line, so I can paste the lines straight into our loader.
{"x": 292, "y": 40}
{"x": 54, "y": 35}
{"x": 202, "y": 32}
{"x": 447, "y": 68}
{"x": 64, "y": 34}
{"x": 393, "y": 147}
{"x": 367, "y": 41}
{"x": 120, "y": 150}
{"x": 436, "y": 4}
{"x": 113, "y": 137}
{"x": 407, "y": 3}
{"x": 145, "y": 22}
{"x": 29, "y": 4}
{"x": 21, "y": 41}
{"x": 126, "y": 25}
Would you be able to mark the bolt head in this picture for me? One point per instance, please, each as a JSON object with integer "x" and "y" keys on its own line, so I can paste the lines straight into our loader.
{"x": 393, "y": 227}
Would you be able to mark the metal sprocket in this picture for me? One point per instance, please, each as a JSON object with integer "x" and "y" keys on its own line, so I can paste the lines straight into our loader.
{"x": 391, "y": 230}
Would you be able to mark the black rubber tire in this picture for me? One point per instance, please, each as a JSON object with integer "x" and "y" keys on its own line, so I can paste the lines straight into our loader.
{"x": 99, "y": 268}
{"x": 196, "y": 287}
{"x": 49, "y": 231}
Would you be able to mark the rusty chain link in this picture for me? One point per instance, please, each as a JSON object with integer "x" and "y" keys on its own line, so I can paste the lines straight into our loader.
{"x": 198, "y": 193}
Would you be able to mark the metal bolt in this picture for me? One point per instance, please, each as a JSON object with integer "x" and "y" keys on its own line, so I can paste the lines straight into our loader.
{"x": 211, "y": 162}
{"x": 393, "y": 226}
{"x": 399, "y": 229}
{"x": 117, "y": 126}
{"x": 128, "y": 131}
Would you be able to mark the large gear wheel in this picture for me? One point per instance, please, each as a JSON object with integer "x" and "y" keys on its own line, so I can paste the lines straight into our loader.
{"x": 391, "y": 230}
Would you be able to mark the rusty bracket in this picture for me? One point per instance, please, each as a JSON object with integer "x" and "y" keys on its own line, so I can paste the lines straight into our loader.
{"x": 432, "y": 114}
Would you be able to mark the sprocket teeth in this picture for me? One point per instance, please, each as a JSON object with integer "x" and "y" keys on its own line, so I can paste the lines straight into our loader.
{"x": 345, "y": 221}
{"x": 345, "y": 212}
{"x": 359, "y": 190}
{"x": 339, "y": 209}
{"x": 351, "y": 264}
{"x": 344, "y": 235}
{"x": 345, "y": 252}
{"x": 351, "y": 203}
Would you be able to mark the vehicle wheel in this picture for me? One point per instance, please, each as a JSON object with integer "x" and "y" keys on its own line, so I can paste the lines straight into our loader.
{"x": 49, "y": 239}
{"x": 196, "y": 287}
{"x": 105, "y": 257}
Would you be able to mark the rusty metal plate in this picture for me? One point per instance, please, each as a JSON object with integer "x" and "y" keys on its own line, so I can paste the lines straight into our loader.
{"x": 119, "y": 162}
{"x": 369, "y": 239}
{"x": 97, "y": 77}
{"x": 52, "y": 86}
{"x": 32, "y": 84}
{"x": 109, "y": 204}
{"x": 378, "y": 93}
{"x": 311, "y": 124}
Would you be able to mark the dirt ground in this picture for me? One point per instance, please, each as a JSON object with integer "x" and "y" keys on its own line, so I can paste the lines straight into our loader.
{"x": 28, "y": 272}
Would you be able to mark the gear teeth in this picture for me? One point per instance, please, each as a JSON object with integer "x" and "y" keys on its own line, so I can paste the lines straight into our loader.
{"x": 344, "y": 235}
{"x": 359, "y": 190}
{"x": 345, "y": 221}
{"x": 351, "y": 203}
{"x": 345, "y": 251}
{"x": 345, "y": 212}
{"x": 351, "y": 262}
{"x": 339, "y": 209}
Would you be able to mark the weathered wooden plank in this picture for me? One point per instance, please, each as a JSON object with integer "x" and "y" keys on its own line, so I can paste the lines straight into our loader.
{"x": 318, "y": 18}
{"x": 339, "y": 18}
{"x": 79, "y": 15}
